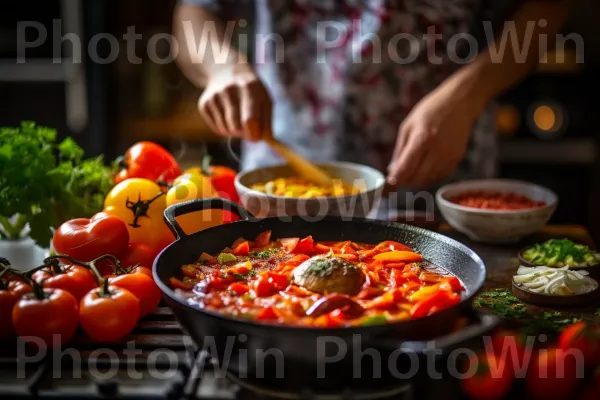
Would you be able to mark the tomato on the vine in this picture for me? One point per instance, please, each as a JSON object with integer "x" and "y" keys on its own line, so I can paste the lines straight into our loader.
{"x": 74, "y": 279}
{"x": 45, "y": 313}
{"x": 109, "y": 313}
{"x": 584, "y": 337}
{"x": 492, "y": 379}
{"x": 552, "y": 375}
{"x": 141, "y": 286}
{"x": 8, "y": 299}
{"x": 86, "y": 239}
{"x": 138, "y": 254}
{"x": 148, "y": 160}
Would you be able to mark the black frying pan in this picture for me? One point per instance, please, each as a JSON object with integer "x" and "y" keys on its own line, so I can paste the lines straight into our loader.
{"x": 296, "y": 357}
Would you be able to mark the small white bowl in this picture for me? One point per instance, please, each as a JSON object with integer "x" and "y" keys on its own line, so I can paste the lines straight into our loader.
{"x": 496, "y": 226}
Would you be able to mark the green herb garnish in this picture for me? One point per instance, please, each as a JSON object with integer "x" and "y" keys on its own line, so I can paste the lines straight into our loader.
{"x": 264, "y": 254}
{"x": 224, "y": 258}
{"x": 505, "y": 305}
{"x": 44, "y": 183}
{"x": 244, "y": 277}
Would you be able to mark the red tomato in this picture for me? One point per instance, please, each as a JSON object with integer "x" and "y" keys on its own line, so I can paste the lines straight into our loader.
{"x": 512, "y": 347}
{"x": 492, "y": 380}
{"x": 141, "y": 286}
{"x": 55, "y": 314}
{"x": 109, "y": 317}
{"x": 74, "y": 279}
{"x": 553, "y": 375}
{"x": 149, "y": 161}
{"x": 263, "y": 239}
{"x": 19, "y": 288}
{"x": 87, "y": 239}
{"x": 278, "y": 280}
{"x": 8, "y": 300}
{"x": 138, "y": 254}
{"x": 320, "y": 249}
{"x": 592, "y": 392}
{"x": 222, "y": 179}
{"x": 289, "y": 244}
{"x": 242, "y": 249}
{"x": 142, "y": 270}
{"x": 582, "y": 337}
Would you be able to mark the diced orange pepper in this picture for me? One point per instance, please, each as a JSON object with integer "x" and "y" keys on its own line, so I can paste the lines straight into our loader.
{"x": 399, "y": 256}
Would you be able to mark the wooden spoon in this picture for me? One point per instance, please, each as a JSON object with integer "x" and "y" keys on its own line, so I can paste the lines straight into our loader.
{"x": 301, "y": 165}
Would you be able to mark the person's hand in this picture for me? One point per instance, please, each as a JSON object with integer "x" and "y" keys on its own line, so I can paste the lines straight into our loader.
{"x": 433, "y": 138}
{"x": 236, "y": 103}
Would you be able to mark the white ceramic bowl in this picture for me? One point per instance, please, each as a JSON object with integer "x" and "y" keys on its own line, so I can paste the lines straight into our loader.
{"x": 356, "y": 205}
{"x": 496, "y": 226}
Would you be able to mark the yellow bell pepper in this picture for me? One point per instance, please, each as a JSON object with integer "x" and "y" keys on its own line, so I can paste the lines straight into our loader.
{"x": 140, "y": 203}
{"x": 398, "y": 256}
{"x": 423, "y": 293}
{"x": 191, "y": 186}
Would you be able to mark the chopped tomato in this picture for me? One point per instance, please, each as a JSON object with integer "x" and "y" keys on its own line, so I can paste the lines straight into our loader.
{"x": 179, "y": 284}
{"x": 238, "y": 288}
{"x": 263, "y": 288}
{"x": 237, "y": 242}
{"x": 262, "y": 239}
{"x": 207, "y": 259}
{"x": 289, "y": 244}
{"x": 305, "y": 245}
{"x": 348, "y": 249}
{"x": 191, "y": 271}
{"x": 399, "y": 256}
{"x": 278, "y": 280}
{"x": 266, "y": 314}
{"x": 297, "y": 260}
{"x": 242, "y": 249}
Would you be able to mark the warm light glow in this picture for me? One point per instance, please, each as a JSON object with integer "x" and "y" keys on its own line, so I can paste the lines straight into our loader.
{"x": 545, "y": 118}
{"x": 507, "y": 120}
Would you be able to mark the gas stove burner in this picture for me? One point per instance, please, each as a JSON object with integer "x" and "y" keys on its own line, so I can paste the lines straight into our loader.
{"x": 398, "y": 392}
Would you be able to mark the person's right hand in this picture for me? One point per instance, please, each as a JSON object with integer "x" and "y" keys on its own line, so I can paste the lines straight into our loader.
{"x": 236, "y": 103}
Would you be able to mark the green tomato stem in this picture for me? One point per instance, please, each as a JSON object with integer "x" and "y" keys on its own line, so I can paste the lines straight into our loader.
{"x": 89, "y": 265}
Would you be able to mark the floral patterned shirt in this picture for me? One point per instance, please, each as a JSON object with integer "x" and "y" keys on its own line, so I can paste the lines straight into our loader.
{"x": 343, "y": 74}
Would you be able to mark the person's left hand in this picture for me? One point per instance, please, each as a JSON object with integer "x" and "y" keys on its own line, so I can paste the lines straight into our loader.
{"x": 433, "y": 138}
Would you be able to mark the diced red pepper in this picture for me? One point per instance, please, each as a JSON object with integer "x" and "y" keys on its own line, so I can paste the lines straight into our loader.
{"x": 319, "y": 248}
{"x": 390, "y": 245}
{"x": 242, "y": 249}
{"x": 398, "y": 265}
{"x": 453, "y": 284}
{"x": 434, "y": 303}
{"x": 396, "y": 278}
{"x": 348, "y": 249}
{"x": 262, "y": 239}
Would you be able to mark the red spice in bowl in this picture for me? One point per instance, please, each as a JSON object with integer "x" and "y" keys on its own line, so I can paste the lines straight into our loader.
{"x": 495, "y": 201}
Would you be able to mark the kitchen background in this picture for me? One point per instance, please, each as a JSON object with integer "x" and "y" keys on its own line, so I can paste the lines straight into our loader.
{"x": 547, "y": 124}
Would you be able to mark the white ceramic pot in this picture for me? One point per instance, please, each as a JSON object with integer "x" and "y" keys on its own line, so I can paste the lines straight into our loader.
{"x": 23, "y": 254}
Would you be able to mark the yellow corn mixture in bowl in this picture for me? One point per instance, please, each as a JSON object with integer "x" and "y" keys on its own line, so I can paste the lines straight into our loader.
{"x": 304, "y": 188}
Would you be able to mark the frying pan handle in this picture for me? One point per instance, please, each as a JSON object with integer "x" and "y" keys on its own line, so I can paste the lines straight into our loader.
{"x": 215, "y": 203}
{"x": 486, "y": 323}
